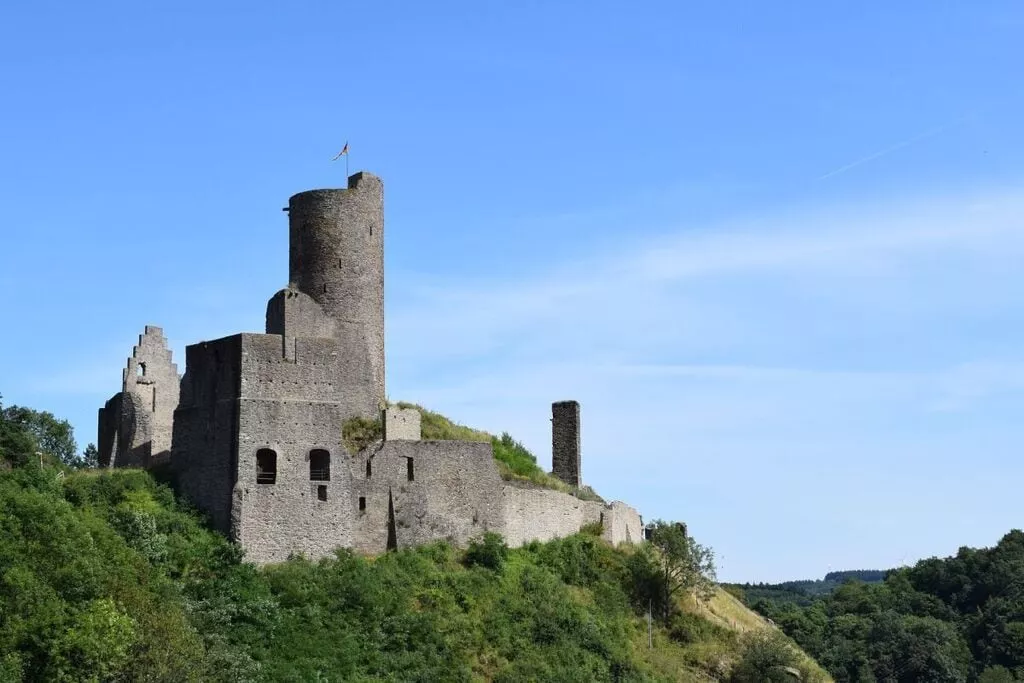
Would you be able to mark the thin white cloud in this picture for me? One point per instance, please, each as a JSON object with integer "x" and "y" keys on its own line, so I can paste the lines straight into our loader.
{"x": 889, "y": 150}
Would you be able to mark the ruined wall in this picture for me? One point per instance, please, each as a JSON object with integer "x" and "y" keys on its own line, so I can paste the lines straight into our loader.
{"x": 402, "y": 424}
{"x": 124, "y": 433}
{"x": 336, "y": 256}
{"x": 153, "y": 377}
{"x": 565, "y": 441}
{"x": 291, "y": 313}
{"x": 454, "y": 493}
{"x": 543, "y": 514}
{"x": 291, "y": 407}
{"x": 134, "y": 428}
{"x": 205, "y": 440}
{"x": 622, "y": 524}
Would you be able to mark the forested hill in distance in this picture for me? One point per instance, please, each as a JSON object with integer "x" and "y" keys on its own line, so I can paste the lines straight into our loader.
{"x": 958, "y": 618}
{"x": 803, "y": 591}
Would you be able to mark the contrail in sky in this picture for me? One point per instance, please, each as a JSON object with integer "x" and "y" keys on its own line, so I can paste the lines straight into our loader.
{"x": 917, "y": 138}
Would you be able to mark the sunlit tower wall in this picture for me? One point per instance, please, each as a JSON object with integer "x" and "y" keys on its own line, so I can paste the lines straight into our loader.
{"x": 336, "y": 256}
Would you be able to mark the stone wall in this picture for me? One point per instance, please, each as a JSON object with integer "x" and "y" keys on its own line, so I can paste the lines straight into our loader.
{"x": 424, "y": 491}
{"x": 536, "y": 514}
{"x": 402, "y": 424}
{"x": 134, "y": 427}
{"x": 153, "y": 377}
{"x": 622, "y": 524}
{"x": 289, "y": 408}
{"x": 205, "y": 443}
{"x": 291, "y": 313}
{"x": 336, "y": 256}
{"x": 124, "y": 433}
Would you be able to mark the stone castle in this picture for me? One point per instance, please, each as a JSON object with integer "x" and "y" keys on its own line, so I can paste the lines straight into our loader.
{"x": 253, "y": 429}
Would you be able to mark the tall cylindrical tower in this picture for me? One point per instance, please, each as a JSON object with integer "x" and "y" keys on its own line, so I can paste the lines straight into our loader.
{"x": 336, "y": 256}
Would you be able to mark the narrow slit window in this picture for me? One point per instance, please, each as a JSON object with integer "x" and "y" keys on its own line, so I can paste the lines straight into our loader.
{"x": 266, "y": 466}
{"x": 409, "y": 469}
{"x": 319, "y": 465}
{"x": 321, "y": 492}
{"x": 369, "y": 468}
{"x": 362, "y": 503}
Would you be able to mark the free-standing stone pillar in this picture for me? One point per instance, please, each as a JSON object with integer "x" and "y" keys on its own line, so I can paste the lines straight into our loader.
{"x": 565, "y": 441}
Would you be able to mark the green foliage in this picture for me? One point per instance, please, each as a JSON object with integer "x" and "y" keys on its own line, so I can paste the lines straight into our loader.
{"x": 105, "y": 577}
{"x": 359, "y": 432}
{"x": 490, "y": 552}
{"x": 437, "y": 427}
{"x": 684, "y": 565}
{"x": 90, "y": 456}
{"x": 996, "y": 674}
{"x": 689, "y": 628}
{"x": 769, "y": 657}
{"x": 954, "y": 619}
{"x": 23, "y": 431}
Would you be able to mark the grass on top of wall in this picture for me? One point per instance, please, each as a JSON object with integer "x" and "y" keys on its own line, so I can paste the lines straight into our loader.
{"x": 515, "y": 461}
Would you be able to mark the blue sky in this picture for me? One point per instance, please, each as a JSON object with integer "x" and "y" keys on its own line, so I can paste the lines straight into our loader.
{"x": 773, "y": 248}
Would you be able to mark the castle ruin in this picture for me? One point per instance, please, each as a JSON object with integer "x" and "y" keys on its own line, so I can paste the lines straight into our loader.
{"x": 253, "y": 429}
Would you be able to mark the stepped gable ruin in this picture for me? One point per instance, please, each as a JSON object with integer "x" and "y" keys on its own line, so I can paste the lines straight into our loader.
{"x": 253, "y": 429}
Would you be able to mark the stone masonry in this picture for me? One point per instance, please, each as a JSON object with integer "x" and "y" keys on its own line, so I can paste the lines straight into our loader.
{"x": 135, "y": 425}
{"x": 255, "y": 432}
{"x": 565, "y": 441}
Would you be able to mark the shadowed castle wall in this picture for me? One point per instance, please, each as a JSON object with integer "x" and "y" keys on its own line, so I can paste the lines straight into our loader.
{"x": 206, "y": 428}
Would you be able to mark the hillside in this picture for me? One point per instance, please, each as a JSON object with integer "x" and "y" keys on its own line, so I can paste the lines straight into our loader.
{"x": 104, "y": 575}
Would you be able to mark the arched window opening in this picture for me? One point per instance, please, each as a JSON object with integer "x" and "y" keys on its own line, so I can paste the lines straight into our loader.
{"x": 319, "y": 465}
{"x": 266, "y": 466}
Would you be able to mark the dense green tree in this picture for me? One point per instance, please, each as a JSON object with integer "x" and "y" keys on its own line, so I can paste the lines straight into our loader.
{"x": 52, "y": 436}
{"x": 684, "y": 564}
{"x": 90, "y": 456}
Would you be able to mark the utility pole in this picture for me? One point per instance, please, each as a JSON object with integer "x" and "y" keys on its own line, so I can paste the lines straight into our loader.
{"x": 650, "y": 637}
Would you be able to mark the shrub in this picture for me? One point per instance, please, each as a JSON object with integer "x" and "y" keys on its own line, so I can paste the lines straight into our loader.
{"x": 359, "y": 432}
{"x": 489, "y": 552}
{"x": 768, "y": 657}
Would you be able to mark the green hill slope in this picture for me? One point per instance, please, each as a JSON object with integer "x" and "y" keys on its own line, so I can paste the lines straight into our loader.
{"x": 106, "y": 576}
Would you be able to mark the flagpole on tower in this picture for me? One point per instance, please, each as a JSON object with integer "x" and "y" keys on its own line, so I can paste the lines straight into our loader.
{"x": 343, "y": 153}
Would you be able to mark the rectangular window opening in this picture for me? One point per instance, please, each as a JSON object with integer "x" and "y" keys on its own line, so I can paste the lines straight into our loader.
{"x": 266, "y": 466}
{"x": 409, "y": 468}
{"x": 362, "y": 503}
{"x": 369, "y": 468}
{"x": 321, "y": 492}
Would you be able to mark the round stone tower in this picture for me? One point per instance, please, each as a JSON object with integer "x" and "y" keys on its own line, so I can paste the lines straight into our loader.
{"x": 336, "y": 256}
